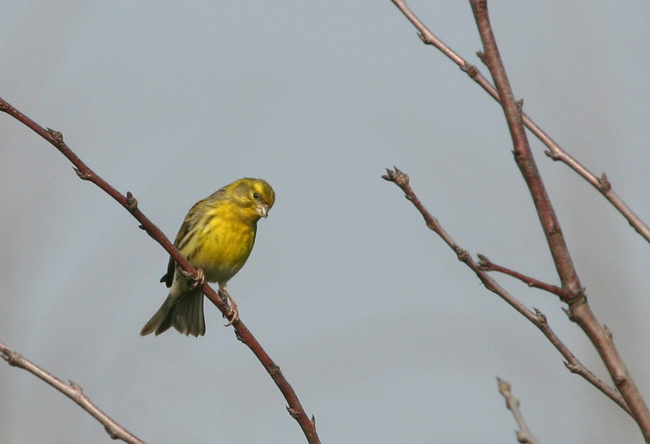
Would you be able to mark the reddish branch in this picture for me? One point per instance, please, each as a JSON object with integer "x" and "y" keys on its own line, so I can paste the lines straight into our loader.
{"x": 525, "y": 161}
{"x": 556, "y": 152}
{"x": 55, "y": 138}
{"x": 537, "y": 318}
{"x": 579, "y": 310}
{"x": 488, "y": 265}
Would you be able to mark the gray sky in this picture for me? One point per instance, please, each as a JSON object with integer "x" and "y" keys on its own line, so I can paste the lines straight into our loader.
{"x": 384, "y": 335}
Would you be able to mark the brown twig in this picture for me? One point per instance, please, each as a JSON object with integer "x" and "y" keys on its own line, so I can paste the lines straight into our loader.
{"x": 556, "y": 152}
{"x": 523, "y": 434}
{"x": 72, "y": 391}
{"x": 579, "y": 311}
{"x": 487, "y": 265}
{"x": 537, "y": 318}
{"x": 129, "y": 202}
{"x": 526, "y": 161}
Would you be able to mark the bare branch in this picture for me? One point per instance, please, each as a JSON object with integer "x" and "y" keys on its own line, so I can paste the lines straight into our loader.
{"x": 537, "y": 318}
{"x": 523, "y": 434}
{"x": 556, "y": 152}
{"x": 525, "y": 160}
{"x": 130, "y": 203}
{"x": 488, "y": 265}
{"x": 72, "y": 391}
{"x": 579, "y": 310}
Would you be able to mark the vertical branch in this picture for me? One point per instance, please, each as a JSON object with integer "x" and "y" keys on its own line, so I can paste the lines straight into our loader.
{"x": 524, "y": 156}
{"x": 579, "y": 311}
{"x": 556, "y": 152}
{"x": 524, "y": 434}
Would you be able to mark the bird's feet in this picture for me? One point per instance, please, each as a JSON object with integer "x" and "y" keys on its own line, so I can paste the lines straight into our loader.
{"x": 233, "y": 316}
{"x": 195, "y": 280}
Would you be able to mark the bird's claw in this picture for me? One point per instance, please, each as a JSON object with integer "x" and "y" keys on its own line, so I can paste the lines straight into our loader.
{"x": 233, "y": 315}
{"x": 195, "y": 280}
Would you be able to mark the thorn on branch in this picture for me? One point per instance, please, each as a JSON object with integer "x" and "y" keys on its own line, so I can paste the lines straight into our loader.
{"x": 470, "y": 69}
{"x": 112, "y": 433}
{"x": 13, "y": 359}
{"x": 131, "y": 202}
{"x": 484, "y": 263}
{"x": 463, "y": 255}
{"x": 83, "y": 175}
{"x": 481, "y": 55}
{"x": 274, "y": 370}
{"x": 57, "y": 136}
{"x": 552, "y": 154}
{"x": 608, "y": 332}
{"x": 569, "y": 314}
{"x": 143, "y": 227}
{"x": 604, "y": 183}
{"x": 541, "y": 317}
{"x": 573, "y": 368}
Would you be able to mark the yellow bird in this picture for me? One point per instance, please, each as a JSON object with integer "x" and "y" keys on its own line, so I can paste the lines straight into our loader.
{"x": 217, "y": 236}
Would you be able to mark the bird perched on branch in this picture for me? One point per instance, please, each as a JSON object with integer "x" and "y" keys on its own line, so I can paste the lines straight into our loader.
{"x": 216, "y": 238}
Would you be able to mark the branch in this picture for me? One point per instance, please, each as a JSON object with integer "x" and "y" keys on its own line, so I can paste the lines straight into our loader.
{"x": 524, "y": 158}
{"x": 579, "y": 311}
{"x": 537, "y": 318}
{"x": 72, "y": 391}
{"x": 556, "y": 152}
{"x": 488, "y": 265}
{"x": 523, "y": 434}
{"x": 130, "y": 203}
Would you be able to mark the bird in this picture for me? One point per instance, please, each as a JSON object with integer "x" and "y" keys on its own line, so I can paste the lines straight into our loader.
{"x": 216, "y": 238}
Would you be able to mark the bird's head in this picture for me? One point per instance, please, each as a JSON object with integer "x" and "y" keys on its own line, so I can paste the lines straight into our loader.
{"x": 255, "y": 196}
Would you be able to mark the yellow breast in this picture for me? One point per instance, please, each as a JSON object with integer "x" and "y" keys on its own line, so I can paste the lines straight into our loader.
{"x": 224, "y": 245}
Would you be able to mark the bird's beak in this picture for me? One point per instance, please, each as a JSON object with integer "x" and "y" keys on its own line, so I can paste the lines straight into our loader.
{"x": 263, "y": 210}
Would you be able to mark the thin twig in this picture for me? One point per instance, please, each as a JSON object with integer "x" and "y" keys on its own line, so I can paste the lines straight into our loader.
{"x": 524, "y": 434}
{"x": 579, "y": 310}
{"x": 129, "y": 202}
{"x": 556, "y": 152}
{"x": 72, "y": 391}
{"x": 537, "y": 318}
{"x": 488, "y": 265}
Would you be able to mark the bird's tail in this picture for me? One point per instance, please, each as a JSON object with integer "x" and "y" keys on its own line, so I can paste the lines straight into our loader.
{"x": 184, "y": 313}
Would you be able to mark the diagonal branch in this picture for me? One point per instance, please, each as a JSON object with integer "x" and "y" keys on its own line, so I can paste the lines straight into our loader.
{"x": 537, "y": 318}
{"x": 55, "y": 138}
{"x": 487, "y": 265}
{"x": 556, "y": 152}
{"x": 72, "y": 391}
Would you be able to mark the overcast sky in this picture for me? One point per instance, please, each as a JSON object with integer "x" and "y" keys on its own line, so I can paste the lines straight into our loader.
{"x": 385, "y": 336}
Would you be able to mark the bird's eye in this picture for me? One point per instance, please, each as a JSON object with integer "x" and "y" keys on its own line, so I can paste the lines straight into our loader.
{"x": 256, "y": 195}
